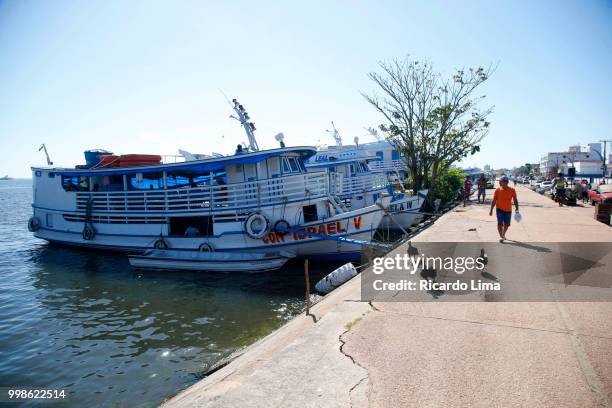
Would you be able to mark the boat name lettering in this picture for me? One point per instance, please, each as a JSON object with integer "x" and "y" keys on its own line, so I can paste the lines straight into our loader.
{"x": 330, "y": 228}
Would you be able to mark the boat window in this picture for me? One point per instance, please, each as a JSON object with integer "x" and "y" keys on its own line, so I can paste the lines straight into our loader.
{"x": 310, "y": 213}
{"x": 285, "y": 165}
{"x": 51, "y": 174}
{"x": 178, "y": 179}
{"x": 37, "y": 173}
{"x": 75, "y": 183}
{"x": 146, "y": 181}
{"x": 380, "y": 154}
{"x": 295, "y": 167}
{"x": 394, "y": 155}
{"x": 352, "y": 168}
{"x": 191, "y": 226}
{"x": 107, "y": 183}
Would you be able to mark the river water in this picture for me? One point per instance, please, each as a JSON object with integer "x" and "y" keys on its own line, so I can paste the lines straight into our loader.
{"x": 86, "y": 322}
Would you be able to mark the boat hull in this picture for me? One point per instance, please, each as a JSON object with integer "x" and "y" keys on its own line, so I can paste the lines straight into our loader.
{"x": 209, "y": 262}
{"x": 403, "y": 212}
{"x": 357, "y": 225}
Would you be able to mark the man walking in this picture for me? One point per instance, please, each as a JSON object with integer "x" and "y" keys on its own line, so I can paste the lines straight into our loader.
{"x": 482, "y": 188}
{"x": 502, "y": 199}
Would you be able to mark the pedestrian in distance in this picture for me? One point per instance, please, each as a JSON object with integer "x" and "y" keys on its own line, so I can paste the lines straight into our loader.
{"x": 467, "y": 188}
{"x": 559, "y": 185}
{"x": 482, "y": 188}
{"x": 502, "y": 201}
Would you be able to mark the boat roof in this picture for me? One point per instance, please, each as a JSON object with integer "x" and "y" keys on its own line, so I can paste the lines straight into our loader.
{"x": 336, "y": 156}
{"x": 203, "y": 166}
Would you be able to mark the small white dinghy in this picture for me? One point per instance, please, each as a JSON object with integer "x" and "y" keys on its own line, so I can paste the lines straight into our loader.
{"x": 210, "y": 261}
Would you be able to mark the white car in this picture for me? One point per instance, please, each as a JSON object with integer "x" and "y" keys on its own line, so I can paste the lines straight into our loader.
{"x": 544, "y": 187}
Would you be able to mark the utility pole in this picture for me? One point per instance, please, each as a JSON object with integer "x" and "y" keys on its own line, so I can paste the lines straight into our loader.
{"x": 604, "y": 170}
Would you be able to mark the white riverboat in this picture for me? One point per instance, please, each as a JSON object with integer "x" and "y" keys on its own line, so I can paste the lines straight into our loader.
{"x": 251, "y": 201}
{"x": 362, "y": 183}
{"x": 361, "y": 187}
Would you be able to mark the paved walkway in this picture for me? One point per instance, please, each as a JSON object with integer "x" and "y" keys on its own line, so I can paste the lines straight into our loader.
{"x": 387, "y": 354}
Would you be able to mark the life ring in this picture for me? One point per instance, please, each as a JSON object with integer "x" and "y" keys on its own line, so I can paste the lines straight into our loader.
{"x": 33, "y": 224}
{"x": 88, "y": 232}
{"x": 206, "y": 247}
{"x": 283, "y": 225}
{"x": 256, "y": 225}
{"x": 160, "y": 244}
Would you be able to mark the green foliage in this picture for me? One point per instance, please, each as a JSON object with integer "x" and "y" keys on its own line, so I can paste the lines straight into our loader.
{"x": 449, "y": 183}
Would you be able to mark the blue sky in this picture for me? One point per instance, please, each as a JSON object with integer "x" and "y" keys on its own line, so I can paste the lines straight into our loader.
{"x": 144, "y": 76}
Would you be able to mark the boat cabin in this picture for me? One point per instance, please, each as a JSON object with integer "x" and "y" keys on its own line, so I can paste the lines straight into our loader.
{"x": 195, "y": 194}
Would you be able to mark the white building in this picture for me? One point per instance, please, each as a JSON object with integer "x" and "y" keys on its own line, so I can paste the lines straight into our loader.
{"x": 590, "y": 156}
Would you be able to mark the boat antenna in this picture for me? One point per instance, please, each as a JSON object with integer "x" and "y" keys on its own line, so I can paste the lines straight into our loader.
{"x": 43, "y": 147}
{"x": 335, "y": 134}
{"x": 225, "y": 96}
{"x": 249, "y": 127}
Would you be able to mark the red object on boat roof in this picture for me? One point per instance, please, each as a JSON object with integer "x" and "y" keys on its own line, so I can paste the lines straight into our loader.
{"x": 131, "y": 160}
{"x": 128, "y": 160}
{"x": 108, "y": 160}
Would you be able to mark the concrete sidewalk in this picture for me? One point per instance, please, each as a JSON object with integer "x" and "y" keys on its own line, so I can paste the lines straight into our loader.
{"x": 434, "y": 354}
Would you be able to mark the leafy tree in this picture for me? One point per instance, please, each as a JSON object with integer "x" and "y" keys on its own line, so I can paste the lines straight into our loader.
{"x": 434, "y": 122}
{"x": 449, "y": 183}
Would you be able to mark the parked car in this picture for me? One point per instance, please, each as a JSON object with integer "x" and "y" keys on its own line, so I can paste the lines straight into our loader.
{"x": 544, "y": 187}
{"x": 602, "y": 193}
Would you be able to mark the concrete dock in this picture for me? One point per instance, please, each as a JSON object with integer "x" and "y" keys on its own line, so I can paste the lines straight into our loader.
{"x": 425, "y": 354}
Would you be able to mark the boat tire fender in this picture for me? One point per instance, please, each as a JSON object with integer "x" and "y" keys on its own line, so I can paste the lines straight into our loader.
{"x": 282, "y": 224}
{"x": 160, "y": 244}
{"x": 88, "y": 232}
{"x": 206, "y": 247}
{"x": 252, "y": 220}
{"x": 33, "y": 224}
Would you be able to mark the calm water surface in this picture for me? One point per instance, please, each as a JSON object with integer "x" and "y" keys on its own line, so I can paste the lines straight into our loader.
{"x": 85, "y": 321}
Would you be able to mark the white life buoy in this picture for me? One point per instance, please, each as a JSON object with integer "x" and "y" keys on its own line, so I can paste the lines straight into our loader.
{"x": 33, "y": 224}
{"x": 206, "y": 247}
{"x": 256, "y": 225}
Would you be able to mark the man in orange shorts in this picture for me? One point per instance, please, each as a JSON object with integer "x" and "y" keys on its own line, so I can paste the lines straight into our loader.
{"x": 502, "y": 199}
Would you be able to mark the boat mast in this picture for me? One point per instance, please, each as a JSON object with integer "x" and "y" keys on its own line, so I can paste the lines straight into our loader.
{"x": 335, "y": 134}
{"x": 249, "y": 127}
{"x": 43, "y": 147}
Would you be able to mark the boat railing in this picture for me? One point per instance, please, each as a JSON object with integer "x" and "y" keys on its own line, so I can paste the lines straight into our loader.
{"x": 388, "y": 165}
{"x": 236, "y": 196}
{"x": 363, "y": 183}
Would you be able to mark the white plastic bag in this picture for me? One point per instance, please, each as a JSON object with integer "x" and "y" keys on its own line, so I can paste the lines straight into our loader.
{"x": 517, "y": 216}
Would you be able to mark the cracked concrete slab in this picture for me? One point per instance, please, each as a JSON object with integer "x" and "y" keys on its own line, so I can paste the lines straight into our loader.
{"x": 428, "y": 363}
